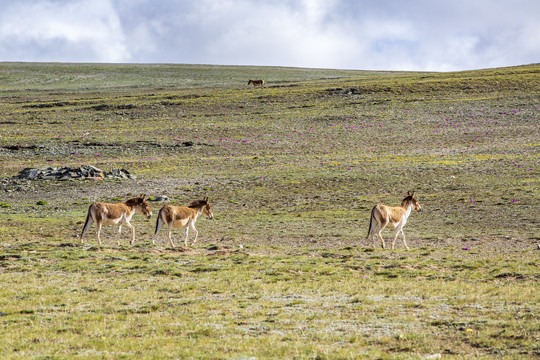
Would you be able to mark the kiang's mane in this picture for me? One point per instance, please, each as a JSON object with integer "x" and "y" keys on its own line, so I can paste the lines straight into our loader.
{"x": 407, "y": 201}
{"x": 133, "y": 201}
{"x": 198, "y": 204}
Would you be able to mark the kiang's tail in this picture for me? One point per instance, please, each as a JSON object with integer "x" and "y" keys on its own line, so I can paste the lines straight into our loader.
{"x": 87, "y": 223}
{"x": 159, "y": 222}
{"x": 370, "y": 221}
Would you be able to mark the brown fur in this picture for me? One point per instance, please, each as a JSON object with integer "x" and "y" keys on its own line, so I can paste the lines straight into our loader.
{"x": 182, "y": 217}
{"x": 394, "y": 217}
{"x": 115, "y": 214}
{"x": 256, "y": 83}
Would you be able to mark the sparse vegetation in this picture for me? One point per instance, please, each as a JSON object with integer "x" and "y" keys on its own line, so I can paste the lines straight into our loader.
{"x": 292, "y": 171}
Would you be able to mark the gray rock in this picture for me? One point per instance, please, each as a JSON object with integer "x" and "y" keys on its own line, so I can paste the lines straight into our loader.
{"x": 70, "y": 173}
{"x": 119, "y": 174}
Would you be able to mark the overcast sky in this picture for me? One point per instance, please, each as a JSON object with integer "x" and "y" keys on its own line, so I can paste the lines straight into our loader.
{"x": 440, "y": 35}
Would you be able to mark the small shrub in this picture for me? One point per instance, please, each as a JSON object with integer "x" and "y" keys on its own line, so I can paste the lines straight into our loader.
{"x": 41, "y": 202}
{"x": 4, "y": 205}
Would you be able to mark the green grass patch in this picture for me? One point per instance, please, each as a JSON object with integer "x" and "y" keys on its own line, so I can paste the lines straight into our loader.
{"x": 320, "y": 302}
{"x": 292, "y": 171}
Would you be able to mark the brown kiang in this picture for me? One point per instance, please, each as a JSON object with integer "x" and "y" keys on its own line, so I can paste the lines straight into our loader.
{"x": 116, "y": 214}
{"x": 182, "y": 217}
{"x": 393, "y": 217}
{"x": 256, "y": 83}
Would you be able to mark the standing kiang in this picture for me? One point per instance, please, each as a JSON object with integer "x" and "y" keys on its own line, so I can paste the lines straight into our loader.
{"x": 182, "y": 217}
{"x": 393, "y": 217}
{"x": 256, "y": 83}
{"x": 116, "y": 214}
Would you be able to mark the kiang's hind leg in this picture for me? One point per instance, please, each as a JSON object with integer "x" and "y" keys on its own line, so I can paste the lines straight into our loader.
{"x": 118, "y": 234}
{"x": 375, "y": 232}
{"x": 374, "y": 235}
{"x": 381, "y": 238}
{"x": 98, "y": 231}
{"x": 381, "y": 227}
{"x": 169, "y": 230}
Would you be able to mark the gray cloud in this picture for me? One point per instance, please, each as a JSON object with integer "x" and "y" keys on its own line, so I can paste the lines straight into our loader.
{"x": 363, "y": 34}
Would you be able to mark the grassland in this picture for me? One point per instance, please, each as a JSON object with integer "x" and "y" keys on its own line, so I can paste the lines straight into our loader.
{"x": 292, "y": 171}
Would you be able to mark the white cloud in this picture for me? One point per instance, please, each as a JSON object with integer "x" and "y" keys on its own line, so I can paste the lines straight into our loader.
{"x": 360, "y": 34}
{"x": 82, "y": 30}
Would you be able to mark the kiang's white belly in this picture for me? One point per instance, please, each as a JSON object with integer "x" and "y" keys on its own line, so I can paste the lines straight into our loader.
{"x": 108, "y": 221}
{"x": 393, "y": 225}
{"x": 181, "y": 223}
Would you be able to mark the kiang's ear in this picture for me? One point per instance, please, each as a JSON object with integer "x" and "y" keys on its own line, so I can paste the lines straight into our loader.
{"x": 206, "y": 198}
{"x": 409, "y": 193}
{"x": 143, "y": 196}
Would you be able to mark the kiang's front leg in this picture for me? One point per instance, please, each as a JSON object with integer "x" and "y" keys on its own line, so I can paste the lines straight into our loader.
{"x": 186, "y": 240}
{"x": 118, "y": 235}
{"x": 395, "y": 238}
{"x": 404, "y": 242}
{"x": 196, "y": 234}
{"x": 132, "y": 232}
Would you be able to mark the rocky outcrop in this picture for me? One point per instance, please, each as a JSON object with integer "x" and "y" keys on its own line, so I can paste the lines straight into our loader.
{"x": 72, "y": 173}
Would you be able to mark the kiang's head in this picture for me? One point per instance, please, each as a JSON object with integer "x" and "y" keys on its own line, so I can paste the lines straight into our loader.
{"x": 142, "y": 206}
{"x": 204, "y": 206}
{"x": 207, "y": 209}
{"x": 411, "y": 199}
